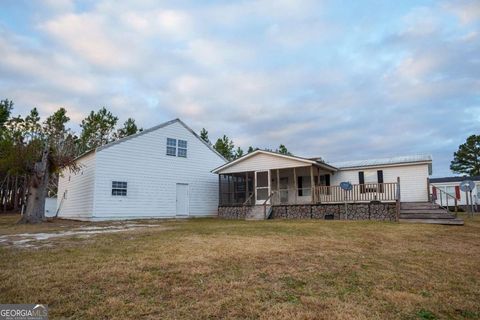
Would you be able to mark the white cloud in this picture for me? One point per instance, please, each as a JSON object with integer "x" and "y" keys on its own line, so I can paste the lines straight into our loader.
{"x": 263, "y": 72}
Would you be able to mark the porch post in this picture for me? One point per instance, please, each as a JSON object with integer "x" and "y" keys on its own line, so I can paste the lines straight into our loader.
{"x": 318, "y": 176}
{"x": 255, "y": 187}
{"x": 220, "y": 202}
{"x": 230, "y": 190}
{"x": 269, "y": 184}
{"x": 312, "y": 184}
{"x": 247, "y": 193}
{"x": 295, "y": 184}
{"x": 278, "y": 185}
{"x": 398, "y": 202}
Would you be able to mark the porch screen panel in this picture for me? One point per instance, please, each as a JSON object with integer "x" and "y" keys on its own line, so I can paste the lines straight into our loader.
{"x": 262, "y": 185}
{"x": 300, "y": 186}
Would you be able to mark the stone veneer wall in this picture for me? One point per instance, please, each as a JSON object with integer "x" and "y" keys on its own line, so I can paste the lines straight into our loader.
{"x": 233, "y": 212}
{"x": 356, "y": 211}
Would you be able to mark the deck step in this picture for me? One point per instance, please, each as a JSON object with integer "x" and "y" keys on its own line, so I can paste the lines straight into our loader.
{"x": 426, "y": 216}
{"x": 454, "y": 222}
{"x": 418, "y": 205}
{"x": 422, "y": 211}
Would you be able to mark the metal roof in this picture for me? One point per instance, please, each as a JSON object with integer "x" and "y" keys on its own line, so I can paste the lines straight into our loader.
{"x": 382, "y": 161}
{"x": 454, "y": 179}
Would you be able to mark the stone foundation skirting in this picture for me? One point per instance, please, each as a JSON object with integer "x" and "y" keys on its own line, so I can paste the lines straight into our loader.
{"x": 233, "y": 212}
{"x": 355, "y": 211}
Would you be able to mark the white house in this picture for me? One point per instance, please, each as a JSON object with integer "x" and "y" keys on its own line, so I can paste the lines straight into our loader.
{"x": 451, "y": 186}
{"x": 295, "y": 180}
{"x": 413, "y": 172}
{"x": 162, "y": 172}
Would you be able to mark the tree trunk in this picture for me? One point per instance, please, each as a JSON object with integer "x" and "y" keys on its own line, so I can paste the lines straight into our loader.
{"x": 37, "y": 191}
{"x": 15, "y": 195}
{"x": 5, "y": 194}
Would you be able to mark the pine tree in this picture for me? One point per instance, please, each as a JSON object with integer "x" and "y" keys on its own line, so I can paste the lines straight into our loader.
{"x": 204, "y": 135}
{"x": 238, "y": 153}
{"x": 225, "y": 147}
{"x": 97, "y": 129}
{"x": 129, "y": 128}
{"x": 467, "y": 159}
{"x": 283, "y": 150}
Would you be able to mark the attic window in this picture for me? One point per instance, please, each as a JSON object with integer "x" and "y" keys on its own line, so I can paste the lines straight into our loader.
{"x": 171, "y": 147}
{"x": 119, "y": 188}
{"x": 182, "y": 148}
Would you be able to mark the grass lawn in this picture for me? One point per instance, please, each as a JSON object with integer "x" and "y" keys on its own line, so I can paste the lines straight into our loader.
{"x": 209, "y": 268}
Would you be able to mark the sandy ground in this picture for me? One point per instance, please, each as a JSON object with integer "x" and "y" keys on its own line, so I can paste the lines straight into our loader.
{"x": 42, "y": 239}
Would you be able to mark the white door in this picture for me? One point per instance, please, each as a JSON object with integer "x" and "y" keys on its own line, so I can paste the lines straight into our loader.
{"x": 182, "y": 199}
{"x": 262, "y": 186}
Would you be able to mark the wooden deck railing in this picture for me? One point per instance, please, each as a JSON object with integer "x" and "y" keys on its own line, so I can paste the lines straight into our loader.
{"x": 360, "y": 193}
{"x": 386, "y": 192}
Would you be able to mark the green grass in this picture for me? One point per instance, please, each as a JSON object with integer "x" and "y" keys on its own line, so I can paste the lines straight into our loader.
{"x": 208, "y": 268}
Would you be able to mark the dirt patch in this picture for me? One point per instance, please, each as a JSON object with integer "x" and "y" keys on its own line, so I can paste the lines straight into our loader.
{"x": 41, "y": 239}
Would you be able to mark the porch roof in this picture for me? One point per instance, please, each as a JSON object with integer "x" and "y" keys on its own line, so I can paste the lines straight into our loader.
{"x": 411, "y": 159}
{"x": 289, "y": 158}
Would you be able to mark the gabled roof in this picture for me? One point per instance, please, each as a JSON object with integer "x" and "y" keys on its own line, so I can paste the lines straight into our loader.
{"x": 383, "y": 161}
{"x": 454, "y": 179}
{"x": 133, "y": 136}
{"x": 251, "y": 154}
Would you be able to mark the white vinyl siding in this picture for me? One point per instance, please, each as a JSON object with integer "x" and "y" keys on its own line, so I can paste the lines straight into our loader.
{"x": 77, "y": 190}
{"x": 262, "y": 162}
{"x": 152, "y": 176}
{"x": 413, "y": 179}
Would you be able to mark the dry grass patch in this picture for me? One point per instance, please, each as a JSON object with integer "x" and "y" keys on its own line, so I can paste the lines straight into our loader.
{"x": 207, "y": 268}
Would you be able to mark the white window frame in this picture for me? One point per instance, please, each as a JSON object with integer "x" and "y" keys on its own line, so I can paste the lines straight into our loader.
{"x": 171, "y": 146}
{"x": 182, "y": 148}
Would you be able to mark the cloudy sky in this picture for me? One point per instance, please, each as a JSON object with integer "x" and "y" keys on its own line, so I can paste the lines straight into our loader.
{"x": 340, "y": 80}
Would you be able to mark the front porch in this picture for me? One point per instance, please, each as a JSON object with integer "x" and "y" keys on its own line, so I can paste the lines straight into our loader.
{"x": 298, "y": 186}
{"x": 265, "y": 184}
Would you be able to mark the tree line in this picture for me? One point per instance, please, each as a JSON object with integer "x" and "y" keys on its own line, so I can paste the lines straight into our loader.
{"x": 33, "y": 152}
{"x": 226, "y": 147}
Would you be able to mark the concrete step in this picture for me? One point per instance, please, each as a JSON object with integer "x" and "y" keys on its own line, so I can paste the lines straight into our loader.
{"x": 426, "y": 216}
{"x": 454, "y": 222}
{"x": 256, "y": 213}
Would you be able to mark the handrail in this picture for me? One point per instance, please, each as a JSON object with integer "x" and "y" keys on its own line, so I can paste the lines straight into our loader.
{"x": 265, "y": 204}
{"x": 248, "y": 199}
{"x": 447, "y": 195}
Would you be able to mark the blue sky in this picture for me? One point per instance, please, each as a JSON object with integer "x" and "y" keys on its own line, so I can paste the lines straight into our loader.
{"x": 341, "y": 80}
